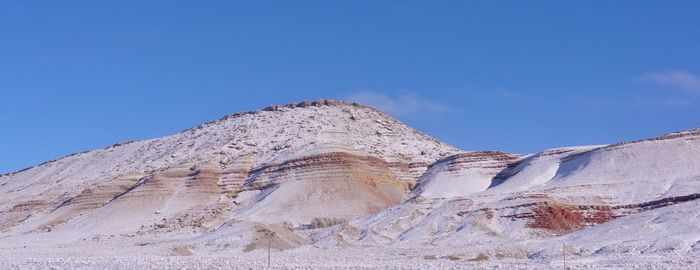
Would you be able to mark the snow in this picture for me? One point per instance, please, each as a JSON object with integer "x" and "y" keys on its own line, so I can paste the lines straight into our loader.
{"x": 441, "y": 183}
{"x": 333, "y": 185}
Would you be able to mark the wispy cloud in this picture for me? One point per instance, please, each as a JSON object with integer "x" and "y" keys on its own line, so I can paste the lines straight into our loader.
{"x": 675, "y": 78}
{"x": 398, "y": 105}
{"x": 670, "y": 88}
{"x": 663, "y": 102}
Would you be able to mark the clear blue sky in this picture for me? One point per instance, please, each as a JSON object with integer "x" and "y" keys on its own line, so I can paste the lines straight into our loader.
{"x": 519, "y": 76}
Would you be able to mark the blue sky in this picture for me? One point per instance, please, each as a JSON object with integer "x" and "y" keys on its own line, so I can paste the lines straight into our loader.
{"x": 519, "y": 76}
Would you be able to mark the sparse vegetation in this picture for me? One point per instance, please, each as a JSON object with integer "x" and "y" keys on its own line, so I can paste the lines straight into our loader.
{"x": 324, "y": 222}
{"x": 181, "y": 251}
{"x": 479, "y": 258}
{"x": 453, "y": 258}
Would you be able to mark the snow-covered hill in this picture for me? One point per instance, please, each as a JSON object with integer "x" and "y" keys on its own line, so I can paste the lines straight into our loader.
{"x": 328, "y": 176}
{"x": 626, "y": 199}
{"x": 316, "y": 150}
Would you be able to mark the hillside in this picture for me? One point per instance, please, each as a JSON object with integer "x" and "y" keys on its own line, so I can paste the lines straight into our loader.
{"x": 338, "y": 177}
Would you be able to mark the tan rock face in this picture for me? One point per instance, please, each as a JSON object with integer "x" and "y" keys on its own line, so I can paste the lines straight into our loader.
{"x": 233, "y": 175}
{"x": 335, "y": 186}
{"x": 327, "y": 185}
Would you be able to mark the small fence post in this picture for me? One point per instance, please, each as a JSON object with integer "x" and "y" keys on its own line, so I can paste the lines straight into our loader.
{"x": 563, "y": 249}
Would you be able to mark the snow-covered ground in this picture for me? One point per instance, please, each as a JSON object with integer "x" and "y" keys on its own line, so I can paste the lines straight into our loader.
{"x": 333, "y": 185}
{"x": 351, "y": 258}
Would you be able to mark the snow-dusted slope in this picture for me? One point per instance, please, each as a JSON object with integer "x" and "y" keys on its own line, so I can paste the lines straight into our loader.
{"x": 463, "y": 174}
{"x": 330, "y": 175}
{"x": 273, "y": 165}
{"x": 628, "y": 198}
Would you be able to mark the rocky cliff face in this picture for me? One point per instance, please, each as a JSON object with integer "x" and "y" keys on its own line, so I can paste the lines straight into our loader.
{"x": 330, "y": 173}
